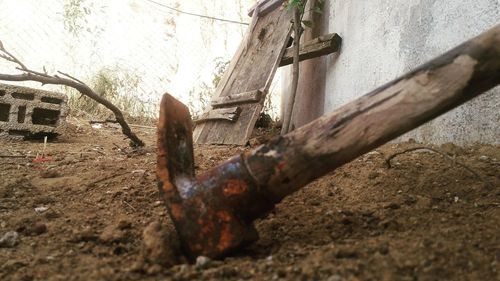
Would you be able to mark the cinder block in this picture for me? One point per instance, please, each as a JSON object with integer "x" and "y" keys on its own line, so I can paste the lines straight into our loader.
{"x": 31, "y": 113}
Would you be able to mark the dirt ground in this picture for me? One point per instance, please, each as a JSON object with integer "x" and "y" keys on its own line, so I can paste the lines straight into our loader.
{"x": 82, "y": 215}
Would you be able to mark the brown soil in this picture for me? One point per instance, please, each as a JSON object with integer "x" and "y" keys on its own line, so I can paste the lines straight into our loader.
{"x": 423, "y": 219}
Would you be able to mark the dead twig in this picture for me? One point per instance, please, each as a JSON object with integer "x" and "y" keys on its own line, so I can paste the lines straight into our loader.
{"x": 70, "y": 81}
{"x": 33, "y": 72}
{"x": 16, "y": 156}
{"x": 128, "y": 204}
{"x": 108, "y": 178}
{"x": 443, "y": 154}
{"x": 69, "y": 76}
{"x": 114, "y": 121}
{"x": 8, "y": 56}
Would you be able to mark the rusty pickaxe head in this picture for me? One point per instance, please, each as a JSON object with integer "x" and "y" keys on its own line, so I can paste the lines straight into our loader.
{"x": 213, "y": 212}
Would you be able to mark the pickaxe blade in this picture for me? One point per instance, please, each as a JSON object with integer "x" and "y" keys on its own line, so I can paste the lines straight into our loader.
{"x": 205, "y": 209}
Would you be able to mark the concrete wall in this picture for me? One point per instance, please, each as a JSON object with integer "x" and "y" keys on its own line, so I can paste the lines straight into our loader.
{"x": 383, "y": 39}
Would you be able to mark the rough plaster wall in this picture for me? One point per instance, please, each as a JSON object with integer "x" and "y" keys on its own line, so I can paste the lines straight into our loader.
{"x": 383, "y": 39}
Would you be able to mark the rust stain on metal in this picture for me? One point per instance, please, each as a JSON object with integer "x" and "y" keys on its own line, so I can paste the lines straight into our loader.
{"x": 234, "y": 187}
{"x": 176, "y": 210}
{"x": 226, "y": 238}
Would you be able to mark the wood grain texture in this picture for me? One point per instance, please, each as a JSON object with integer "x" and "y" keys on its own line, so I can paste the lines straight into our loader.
{"x": 317, "y": 47}
{"x": 247, "y": 97}
{"x": 265, "y": 7}
{"x": 251, "y": 69}
{"x": 230, "y": 114}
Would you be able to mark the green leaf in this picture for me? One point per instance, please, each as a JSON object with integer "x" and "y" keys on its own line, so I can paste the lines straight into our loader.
{"x": 296, "y": 4}
{"x": 307, "y": 23}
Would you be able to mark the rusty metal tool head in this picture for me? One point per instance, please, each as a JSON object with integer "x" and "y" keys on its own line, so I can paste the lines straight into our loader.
{"x": 208, "y": 211}
{"x": 213, "y": 212}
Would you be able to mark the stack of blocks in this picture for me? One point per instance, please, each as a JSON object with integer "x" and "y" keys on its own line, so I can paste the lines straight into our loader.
{"x": 31, "y": 113}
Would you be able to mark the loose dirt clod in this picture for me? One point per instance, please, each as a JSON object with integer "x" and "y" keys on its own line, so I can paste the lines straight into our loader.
{"x": 35, "y": 229}
{"x": 116, "y": 232}
{"x": 112, "y": 234}
{"x": 9, "y": 239}
{"x": 85, "y": 235}
{"x": 160, "y": 245}
{"x": 47, "y": 174}
{"x": 202, "y": 262}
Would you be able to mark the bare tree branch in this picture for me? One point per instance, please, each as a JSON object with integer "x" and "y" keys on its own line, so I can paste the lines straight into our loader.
{"x": 31, "y": 75}
{"x": 33, "y": 72}
{"x": 10, "y": 57}
{"x": 71, "y": 77}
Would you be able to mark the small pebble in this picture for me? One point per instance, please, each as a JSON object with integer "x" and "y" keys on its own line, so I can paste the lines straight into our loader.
{"x": 392, "y": 205}
{"x": 202, "y": 262}
{"x": 373, "y": 175}
{"x": 384, "y": 248}
{"x": 334, "y": 277}
{"x": 51, "y": 214}
{"x": 41, "y": 209}
{"x": 483, "y": 158}
{"x": 38, "y": 228}
{"x": 9, "y": 239}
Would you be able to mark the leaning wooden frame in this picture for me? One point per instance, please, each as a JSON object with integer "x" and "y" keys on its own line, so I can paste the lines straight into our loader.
{"x": 213, "y": 213}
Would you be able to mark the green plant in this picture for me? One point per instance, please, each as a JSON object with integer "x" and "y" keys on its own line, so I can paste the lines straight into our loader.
{"x": 296, "y": 4}
{"x": 200, "y": 96}
{"x": 79, "y": 21}
{"x": 118, "y": 85}
{"x": 220, "y": 68}
{"x": 199, "y": 99}
{"x": 317, "y": 7}
{"x": 75, "y": 14}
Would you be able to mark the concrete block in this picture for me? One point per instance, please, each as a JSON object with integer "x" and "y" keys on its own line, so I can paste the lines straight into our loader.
{"x": 31, "y": 113}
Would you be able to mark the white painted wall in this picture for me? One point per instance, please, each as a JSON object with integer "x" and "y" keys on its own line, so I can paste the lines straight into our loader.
{"x": 383, "y": 39}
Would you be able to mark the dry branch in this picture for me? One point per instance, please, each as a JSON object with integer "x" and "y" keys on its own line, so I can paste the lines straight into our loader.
{"x": 444, "y": 155}
{"x": 15, "y": 156}
{"x": 70, "y": 81}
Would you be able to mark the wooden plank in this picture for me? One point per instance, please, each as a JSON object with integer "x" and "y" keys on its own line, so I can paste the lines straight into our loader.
{"x": 317, "y": 47}
{"x": 265, "y": 6}
{"x": 247, "y": 97}
{"x": 225, "y": 114}
{"x": 252, "y": 67}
